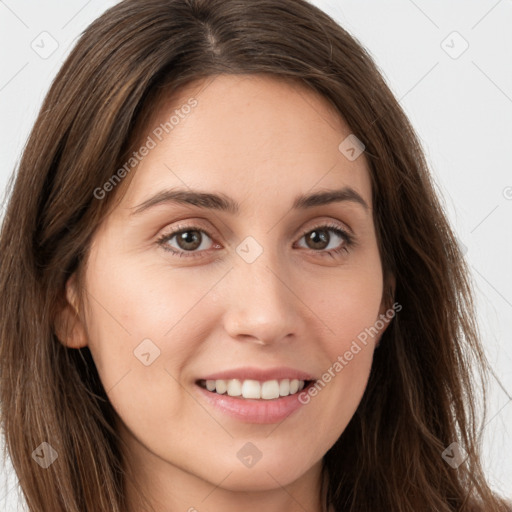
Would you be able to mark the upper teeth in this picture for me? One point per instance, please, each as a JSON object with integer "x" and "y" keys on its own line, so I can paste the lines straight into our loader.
{"x": 254, "y": 389}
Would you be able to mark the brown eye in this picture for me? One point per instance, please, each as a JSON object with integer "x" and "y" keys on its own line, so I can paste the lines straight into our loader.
{"x": 185, "y": 240}
{"x": 189, "y": 240}
{"x": 320, "y": 238}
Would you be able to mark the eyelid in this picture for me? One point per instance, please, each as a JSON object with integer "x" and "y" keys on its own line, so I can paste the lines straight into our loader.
{"x": 193, "y": 225}
{"x": 331, "y": 223}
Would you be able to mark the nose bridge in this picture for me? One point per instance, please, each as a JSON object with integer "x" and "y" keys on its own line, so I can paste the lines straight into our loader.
{"x": 261, "y": 304}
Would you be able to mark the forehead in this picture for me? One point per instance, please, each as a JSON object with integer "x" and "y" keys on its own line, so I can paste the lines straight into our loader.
{"x": 253, "y": 137}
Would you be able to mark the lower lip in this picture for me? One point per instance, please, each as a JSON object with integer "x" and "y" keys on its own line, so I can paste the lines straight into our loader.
{"x": 254, "y": 411}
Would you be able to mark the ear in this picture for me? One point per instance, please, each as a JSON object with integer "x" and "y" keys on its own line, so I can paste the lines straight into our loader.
{"x": 388, "y": 295}
{"x": 69, "y": 327}
{"x": 387, "y": 311}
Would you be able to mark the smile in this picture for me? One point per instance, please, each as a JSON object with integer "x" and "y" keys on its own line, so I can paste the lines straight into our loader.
{"x": 253, "y": 389}
{"x": 254, "y": 395}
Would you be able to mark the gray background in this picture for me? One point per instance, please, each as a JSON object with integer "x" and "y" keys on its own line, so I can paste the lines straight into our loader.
{"x": 459, "y": 100}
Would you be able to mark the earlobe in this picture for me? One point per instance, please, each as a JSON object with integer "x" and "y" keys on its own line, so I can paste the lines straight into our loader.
{"x": 68, "y": 325}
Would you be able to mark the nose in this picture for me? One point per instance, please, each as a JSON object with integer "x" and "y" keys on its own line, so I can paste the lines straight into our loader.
{"x": 261, "y": 306}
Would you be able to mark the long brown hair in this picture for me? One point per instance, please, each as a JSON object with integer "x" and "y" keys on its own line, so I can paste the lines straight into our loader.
{"x": 421, "y": 395}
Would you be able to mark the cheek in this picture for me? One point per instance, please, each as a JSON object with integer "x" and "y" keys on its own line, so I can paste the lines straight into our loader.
{"x": 349, "y": 308}
{"x": 143, "y": 329}
{"x": 334, "y": 398}
{"x": 134, "y": 303}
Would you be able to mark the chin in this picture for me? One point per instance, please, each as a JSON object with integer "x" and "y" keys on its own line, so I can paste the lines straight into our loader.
{"x": 265, "y": 478}
{"x": 271, "y": 472}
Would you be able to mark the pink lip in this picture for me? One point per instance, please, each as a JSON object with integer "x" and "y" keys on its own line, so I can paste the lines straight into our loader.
{"x": 253, "y": 411}
{"x": 253, "y": 373}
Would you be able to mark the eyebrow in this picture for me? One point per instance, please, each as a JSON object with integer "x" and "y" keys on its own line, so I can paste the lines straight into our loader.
{"x": 221, "y": 202}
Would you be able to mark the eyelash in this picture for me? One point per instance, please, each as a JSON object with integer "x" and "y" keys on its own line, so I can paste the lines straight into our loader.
{"x": 349, "y": 240}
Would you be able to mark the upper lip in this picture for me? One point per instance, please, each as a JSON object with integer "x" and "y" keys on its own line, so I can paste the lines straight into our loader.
{"x": 260, "y": 374}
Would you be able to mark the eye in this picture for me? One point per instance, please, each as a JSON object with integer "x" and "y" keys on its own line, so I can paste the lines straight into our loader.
{"x": 188, "y": 239}
{"x": 318, "y": 239}
{"x": 192, "y": 240}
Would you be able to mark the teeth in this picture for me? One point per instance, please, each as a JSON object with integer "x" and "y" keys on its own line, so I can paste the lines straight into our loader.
{"x": 221, "y": 386}
{"x": 270, "y": 389}
{"x": 284, "y": 387}
{"x": 234, "y": 387}
{"x": 250, "y": 389}
{"x": 267, "y": 390}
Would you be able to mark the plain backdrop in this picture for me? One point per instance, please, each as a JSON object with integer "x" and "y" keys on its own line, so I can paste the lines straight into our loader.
{"x": 450, "y": 66}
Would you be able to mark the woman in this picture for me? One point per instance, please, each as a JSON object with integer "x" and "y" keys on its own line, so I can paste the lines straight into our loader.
{"x": 228, "y": 282}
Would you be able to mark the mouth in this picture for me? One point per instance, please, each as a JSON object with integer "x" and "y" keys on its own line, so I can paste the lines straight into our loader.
{"x": 256, "y": 395}
{"x": 250, "y": 389}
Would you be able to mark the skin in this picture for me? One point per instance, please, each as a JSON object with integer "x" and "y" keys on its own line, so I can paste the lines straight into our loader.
{"x": 262, "y": 142}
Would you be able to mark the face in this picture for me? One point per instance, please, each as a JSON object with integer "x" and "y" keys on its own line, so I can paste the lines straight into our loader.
{"x": 246, "y": 293}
